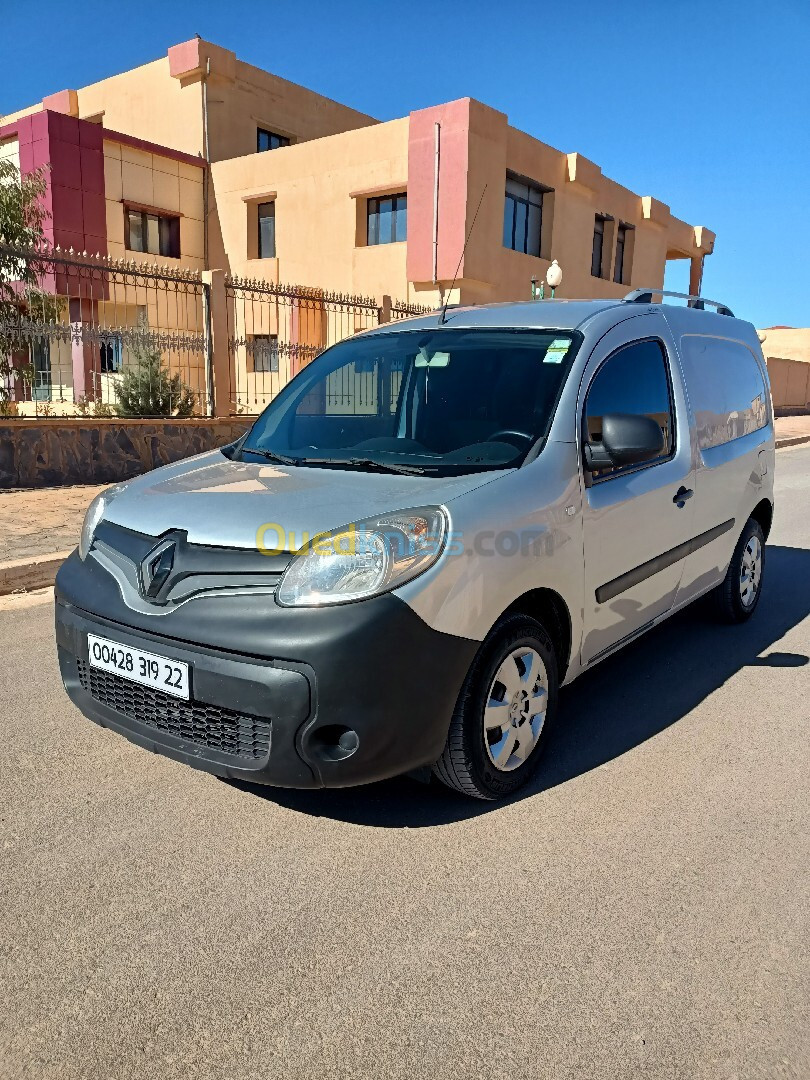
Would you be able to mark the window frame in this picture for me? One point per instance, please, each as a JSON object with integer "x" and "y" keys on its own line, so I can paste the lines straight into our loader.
{"x": 395, "y": 212}
{"x": 528, "y": 183}
{"x": 259, "y": 218}
{"x": 273, "y": 354}
{"x": 622, "y": 230}
{"x": 598, "y": 219}
{"x": 283, "y": 140}
{"x": 160, "y": 215}
{"x": 592, "y": 479}
{"x": 42, "y": 365}
{"x": 114, "y": 347}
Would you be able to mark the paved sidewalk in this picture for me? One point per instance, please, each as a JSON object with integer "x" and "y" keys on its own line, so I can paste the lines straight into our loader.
{"x": 791, "y": 430}
{"x": 41, "y": 521}
{"x": 36, "y": 524}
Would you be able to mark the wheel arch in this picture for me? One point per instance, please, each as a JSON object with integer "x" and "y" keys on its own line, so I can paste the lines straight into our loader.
{"x": 763, "y": 514}
{"x": 549, "y": 608}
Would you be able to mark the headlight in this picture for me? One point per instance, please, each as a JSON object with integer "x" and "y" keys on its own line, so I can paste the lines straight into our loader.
{"x": 95, "y": 513}
{"x": 364, "y": 559}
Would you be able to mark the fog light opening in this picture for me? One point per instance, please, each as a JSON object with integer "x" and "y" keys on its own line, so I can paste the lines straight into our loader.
{"x": 334, "y": 742}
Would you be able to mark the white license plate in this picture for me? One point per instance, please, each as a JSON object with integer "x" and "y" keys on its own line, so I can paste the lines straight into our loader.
{"x": 149, "y": 669}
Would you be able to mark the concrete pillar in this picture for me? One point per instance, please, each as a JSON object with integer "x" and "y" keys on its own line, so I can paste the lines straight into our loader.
{"x": 83, "y": 311}
{"x": 695, "y": 275}
{"x": 221, "y": 365}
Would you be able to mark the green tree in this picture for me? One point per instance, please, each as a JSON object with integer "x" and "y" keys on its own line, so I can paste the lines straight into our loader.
{"x": 147, "y": 388}
{"x": 22, "y": 217}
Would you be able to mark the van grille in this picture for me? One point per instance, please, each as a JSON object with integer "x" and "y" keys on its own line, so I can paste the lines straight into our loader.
{"x": 228, "y": 732}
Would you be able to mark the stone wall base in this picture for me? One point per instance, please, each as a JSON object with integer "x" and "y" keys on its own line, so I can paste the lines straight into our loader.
{"x": 51, "y": 453}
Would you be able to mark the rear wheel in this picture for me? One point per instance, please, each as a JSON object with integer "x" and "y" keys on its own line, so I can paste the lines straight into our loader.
{"x": 736, "y": 599}
{"x": 504, "y": 712}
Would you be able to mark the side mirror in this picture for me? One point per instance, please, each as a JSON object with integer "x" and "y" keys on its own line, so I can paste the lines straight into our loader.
{"x": 626, "y": 440}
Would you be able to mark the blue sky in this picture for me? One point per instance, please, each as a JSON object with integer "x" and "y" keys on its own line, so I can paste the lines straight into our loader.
{"x": 705, "y": 105}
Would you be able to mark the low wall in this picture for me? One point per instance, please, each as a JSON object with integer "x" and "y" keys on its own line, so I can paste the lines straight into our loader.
{"x": 790, "y": 384}
{"x": 48, "y": 453}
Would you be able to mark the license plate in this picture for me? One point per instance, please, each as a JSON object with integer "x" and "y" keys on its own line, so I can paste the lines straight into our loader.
{"x": 149, "y": 669}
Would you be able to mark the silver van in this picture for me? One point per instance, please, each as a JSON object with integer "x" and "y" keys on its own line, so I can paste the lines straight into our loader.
{"x": 432, "y": 528}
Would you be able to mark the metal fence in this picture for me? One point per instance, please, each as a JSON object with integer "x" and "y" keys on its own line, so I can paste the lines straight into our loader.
{"x": 275, "y": 330}
{"x": 100, "y": 336}
{"x": 97, "y": 336}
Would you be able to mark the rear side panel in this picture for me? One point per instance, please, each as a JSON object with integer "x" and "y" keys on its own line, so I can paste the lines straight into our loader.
{"x": 733, "y": 438}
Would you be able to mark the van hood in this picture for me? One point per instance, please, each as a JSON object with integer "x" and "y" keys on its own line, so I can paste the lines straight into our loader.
{"x": 225, "y": 503}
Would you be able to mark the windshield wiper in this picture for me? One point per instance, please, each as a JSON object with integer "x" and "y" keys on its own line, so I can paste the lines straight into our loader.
{"x": 271, "y": 455}
{"x": 367, "y": 463}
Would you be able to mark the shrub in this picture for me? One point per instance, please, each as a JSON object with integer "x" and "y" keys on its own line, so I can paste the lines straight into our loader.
{"x": 147, "y": 388}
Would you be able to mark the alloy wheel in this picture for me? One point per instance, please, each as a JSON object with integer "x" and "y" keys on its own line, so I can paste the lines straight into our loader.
{"x": 515, "y": 711}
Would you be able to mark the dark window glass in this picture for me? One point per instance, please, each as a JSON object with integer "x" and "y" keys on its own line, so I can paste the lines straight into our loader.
{"x": 269, "y": 140}
{"x": 522, "y": 217}
{"x": 618, "y": 269}
{"x": 634, "y": 380}
{"x": 135, "y": 234}
{"x": 509, "y": 222}
{"x": 387, "y": 219}
{"x": 41, "y": 389}
{"x": 441, "y": 400}
{"x": 111, "y": 355}
{"x": 155, "y": 234}
{"x": 267, "y": 230}
{"x": 400, "y": 218}
{"x": 264, "y": 350}
{"x": 598, "y": 246}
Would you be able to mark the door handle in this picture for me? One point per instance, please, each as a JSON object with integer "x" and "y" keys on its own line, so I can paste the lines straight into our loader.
{"x": 681, "y": 495}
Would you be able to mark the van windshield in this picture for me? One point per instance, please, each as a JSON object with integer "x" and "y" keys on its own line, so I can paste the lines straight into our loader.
{"x": 439, "y": 402}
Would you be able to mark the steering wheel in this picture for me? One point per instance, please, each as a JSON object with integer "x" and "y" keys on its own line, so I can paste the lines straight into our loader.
{"x": 508, "y": 435}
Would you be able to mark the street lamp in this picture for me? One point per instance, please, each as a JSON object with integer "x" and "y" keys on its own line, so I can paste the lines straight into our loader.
{"x": 554, "y": 276}
{"x": 553, "y": 279}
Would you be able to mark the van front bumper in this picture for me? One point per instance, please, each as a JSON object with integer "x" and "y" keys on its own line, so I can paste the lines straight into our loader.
{"x": 306, "y": 698}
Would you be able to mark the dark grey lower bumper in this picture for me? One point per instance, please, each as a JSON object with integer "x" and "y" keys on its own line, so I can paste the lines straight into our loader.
{"x": 374, "y": 670}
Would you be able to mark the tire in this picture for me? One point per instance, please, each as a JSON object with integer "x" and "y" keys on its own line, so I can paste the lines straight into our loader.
{"x": 493, "y": 763}
{"x": 737, "y": 597}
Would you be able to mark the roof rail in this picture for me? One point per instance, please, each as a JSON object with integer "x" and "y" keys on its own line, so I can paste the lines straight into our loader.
{"x": 645, "y": 296}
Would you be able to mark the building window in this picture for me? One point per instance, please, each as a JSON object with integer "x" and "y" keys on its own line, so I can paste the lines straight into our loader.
{"x": 263, "y": 349}
{"x": 523, "y": 216}
{"x": 41, "y": 388}
{"x": 621, "y": 250}
{"x": 598, "y": 245}
{"x": 387, "y": 219}
{"x": 111, "y": 355}
{"x": 267, "y": 230}
{"x": 269, "y": 140}
{"x": 155, "y": 234}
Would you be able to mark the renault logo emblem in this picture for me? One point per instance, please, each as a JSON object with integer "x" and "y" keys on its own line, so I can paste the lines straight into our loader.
{"x": 156, "y": 568}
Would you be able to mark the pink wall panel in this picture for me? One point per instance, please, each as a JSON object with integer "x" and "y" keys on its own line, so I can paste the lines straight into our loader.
{"x": 454, "y": 118}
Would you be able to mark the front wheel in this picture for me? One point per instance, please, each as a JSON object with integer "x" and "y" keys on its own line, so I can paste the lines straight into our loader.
{"x": 736, "y": 599}
{"x": 504, "y": 712}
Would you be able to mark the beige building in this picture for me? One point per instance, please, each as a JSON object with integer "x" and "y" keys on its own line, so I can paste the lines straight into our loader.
{"x": 201, "y": 161}
{"x": 787, "y": 350}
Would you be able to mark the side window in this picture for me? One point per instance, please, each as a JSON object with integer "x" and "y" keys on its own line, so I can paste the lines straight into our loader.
{"x": 726, "y": 389}
{"x": 633, "y": 380}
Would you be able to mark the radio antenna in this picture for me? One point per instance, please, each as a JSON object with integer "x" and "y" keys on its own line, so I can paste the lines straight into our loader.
{"x": 443, "y": 316}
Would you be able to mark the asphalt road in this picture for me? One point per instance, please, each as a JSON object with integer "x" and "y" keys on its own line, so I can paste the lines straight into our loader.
{"x": 642, "y": 912}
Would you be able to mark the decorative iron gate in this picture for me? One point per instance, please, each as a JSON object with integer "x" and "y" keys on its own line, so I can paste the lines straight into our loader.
{"x": 101, "y": 335}
{"x": 276, "y": 330}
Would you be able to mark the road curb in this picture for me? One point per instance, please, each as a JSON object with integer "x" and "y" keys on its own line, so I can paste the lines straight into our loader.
{"x": 22, "y": 575}
{"x": 795, "y": 440}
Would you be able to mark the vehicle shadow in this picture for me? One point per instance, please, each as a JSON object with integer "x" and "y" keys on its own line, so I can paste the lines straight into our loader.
{"x": 626, "y": 700}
